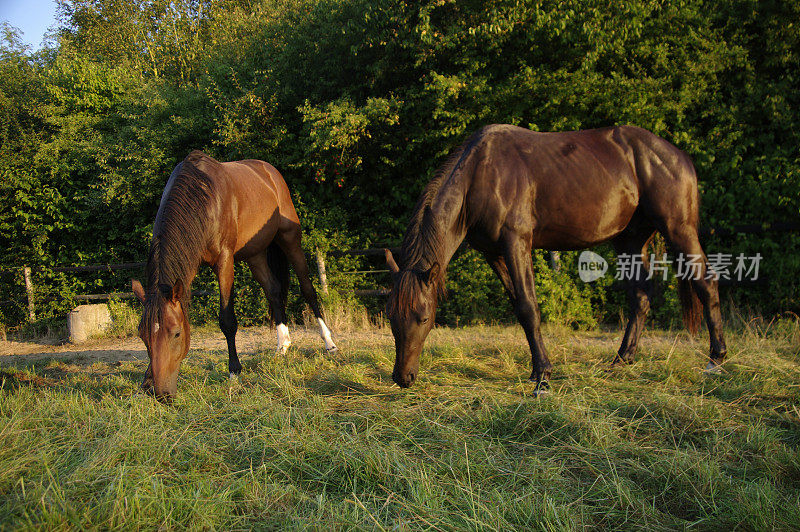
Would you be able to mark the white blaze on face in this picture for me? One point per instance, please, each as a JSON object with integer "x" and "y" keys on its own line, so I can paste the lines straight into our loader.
{"x": 156, "y": 327}
{"x": 283, "y": 338}
{"x": 325, "y": 333}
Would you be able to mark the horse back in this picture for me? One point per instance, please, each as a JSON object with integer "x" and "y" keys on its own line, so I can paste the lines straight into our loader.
{"x": 257, "y": 204}
{"x": 246, "y": 203}
{"x": 274, "y": 181}
{"x": 568, "y": 190}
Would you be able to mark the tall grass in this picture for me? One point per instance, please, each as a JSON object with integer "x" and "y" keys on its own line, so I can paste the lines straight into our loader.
{"x": 125, "y": 318}
{"x": 308, "y": 440}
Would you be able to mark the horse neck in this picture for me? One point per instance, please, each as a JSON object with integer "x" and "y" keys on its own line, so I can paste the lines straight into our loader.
{"x": 441, "y": 227}
{"x": 170, "y": 262}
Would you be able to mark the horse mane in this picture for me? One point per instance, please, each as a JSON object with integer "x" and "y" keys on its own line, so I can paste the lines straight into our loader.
{"x": 179, "y": 234}
{"x": 424, "y": 241}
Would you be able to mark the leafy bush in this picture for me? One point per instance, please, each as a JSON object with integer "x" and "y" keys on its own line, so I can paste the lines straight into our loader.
{"x": 475, "y": 295}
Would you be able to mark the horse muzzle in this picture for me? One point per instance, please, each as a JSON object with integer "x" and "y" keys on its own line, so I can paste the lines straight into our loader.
{"x": 165, "y": 398}
{"x": 404, "y": 380}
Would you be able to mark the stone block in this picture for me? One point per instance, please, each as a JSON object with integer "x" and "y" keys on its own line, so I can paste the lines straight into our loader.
{"x": 85, "y": 321}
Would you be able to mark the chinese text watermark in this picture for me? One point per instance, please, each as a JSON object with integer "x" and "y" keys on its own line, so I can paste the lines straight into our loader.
{"x": 592, "y": 266}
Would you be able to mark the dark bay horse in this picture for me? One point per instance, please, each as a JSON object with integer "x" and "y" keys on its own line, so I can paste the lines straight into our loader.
{"x": 218, "y": 213}
{"x": 508, "y": 190}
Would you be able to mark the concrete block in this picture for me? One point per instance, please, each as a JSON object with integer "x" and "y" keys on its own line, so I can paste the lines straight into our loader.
{"x": 85, "y": 321}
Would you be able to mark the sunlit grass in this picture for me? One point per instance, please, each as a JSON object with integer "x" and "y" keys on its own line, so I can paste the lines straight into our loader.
{"x": 307, "y": 439}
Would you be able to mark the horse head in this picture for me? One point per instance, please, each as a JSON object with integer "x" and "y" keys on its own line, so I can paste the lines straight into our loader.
{"x": 411, "y": 309}
{"x": 164, "y": 329}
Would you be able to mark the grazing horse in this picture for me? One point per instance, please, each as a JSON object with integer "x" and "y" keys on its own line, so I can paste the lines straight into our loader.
{"x": 508, "y": 190}
{"x": 218, "y": 213}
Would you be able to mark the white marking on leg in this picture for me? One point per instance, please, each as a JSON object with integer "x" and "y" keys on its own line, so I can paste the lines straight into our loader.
{"x": 283, "y": 338}
{"x": 712, "y": 368}
{"x": 325, "y": 333}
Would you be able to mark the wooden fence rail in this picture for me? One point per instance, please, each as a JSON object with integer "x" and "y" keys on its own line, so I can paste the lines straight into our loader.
{"x": 779, "y": 227}
{"x": 319, "y": 257}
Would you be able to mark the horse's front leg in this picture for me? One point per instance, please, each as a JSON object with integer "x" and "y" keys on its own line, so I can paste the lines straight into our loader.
{"x": 227, "y": 317}
{"x": 520, "y": 271}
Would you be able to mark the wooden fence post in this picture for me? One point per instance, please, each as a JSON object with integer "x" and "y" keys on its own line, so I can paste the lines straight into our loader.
{"x": 26, "y": 274}
{"x": 323, "y": 278}
{"x": 555, "y": 260}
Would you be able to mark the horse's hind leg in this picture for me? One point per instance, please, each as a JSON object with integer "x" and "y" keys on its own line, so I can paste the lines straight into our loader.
{"x": 275, "y": 288}
{"x": 684, "y": 239}
{"x": 227, "y": 317}
{"x": 517, "y": 255}
{"x": 289, "y": 241}
{"x": 639, "y": 290}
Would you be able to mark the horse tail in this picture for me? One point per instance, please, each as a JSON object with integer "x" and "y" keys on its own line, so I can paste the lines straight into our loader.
{"x": 690, "y": 303}
{"x": 279, "y": 266}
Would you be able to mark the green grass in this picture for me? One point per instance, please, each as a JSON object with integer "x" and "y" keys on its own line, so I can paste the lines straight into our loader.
{"x": 307, "y": 440}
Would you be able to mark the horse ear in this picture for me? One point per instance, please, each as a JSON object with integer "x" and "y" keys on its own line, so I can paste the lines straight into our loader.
{"x": 432, "y": 274}
{"x": 177, "y": 290}
{"x": 138, "y": 291}
{"x": 393, "y": 268}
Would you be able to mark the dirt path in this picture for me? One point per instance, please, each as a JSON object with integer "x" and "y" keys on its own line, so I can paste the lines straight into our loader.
{"x": 113, "y": 350}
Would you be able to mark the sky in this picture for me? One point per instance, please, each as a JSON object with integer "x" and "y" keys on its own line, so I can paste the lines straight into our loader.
{"x": 32, "y": 17}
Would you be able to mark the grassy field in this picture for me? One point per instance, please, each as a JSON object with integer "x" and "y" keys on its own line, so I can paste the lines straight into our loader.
{"x": 306, "y": 440}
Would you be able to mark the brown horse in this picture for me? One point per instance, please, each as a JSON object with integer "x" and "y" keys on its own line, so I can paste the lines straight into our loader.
{"x": 508, "y": 190}
{"x": 218, "y": 213}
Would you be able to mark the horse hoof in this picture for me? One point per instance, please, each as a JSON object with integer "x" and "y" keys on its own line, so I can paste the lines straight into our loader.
{"x": 540, "y": 391}
{"x": 542, "y": 387}
{"x": 712, "y": 368}
{"x": 282, "y": 349}
{"x": 620, "y": 362}
{"x": 332, "y": 351}
{"x": 233, "y": 377}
